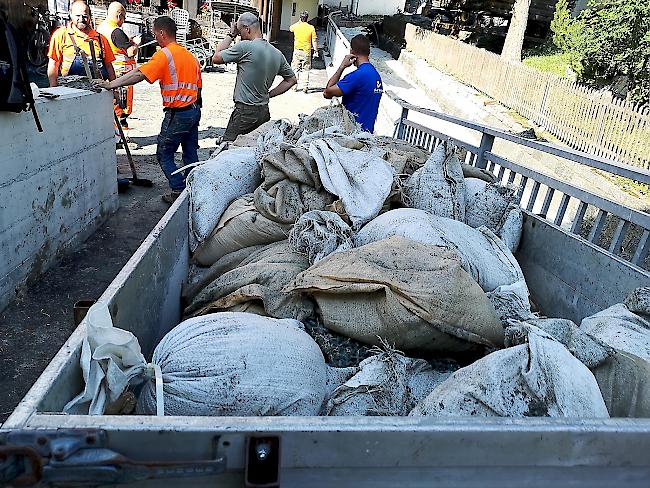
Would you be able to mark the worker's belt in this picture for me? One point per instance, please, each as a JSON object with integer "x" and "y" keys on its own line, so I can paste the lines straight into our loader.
{"x": 181, "y": 109}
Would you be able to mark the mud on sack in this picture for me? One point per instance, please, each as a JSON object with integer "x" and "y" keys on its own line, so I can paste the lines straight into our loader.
{"x": 388, "y": 383}
{"x": 256, "y": 284}
{"x": 238, "y": 364}
{"x": 240, "y": 226}
{"x": 482, "y": 254}
{"x": 213, "y": 185}
{"x": 439, "y": 186}
{"x": 411, "y": 295}
{"x": 537, "y": 378}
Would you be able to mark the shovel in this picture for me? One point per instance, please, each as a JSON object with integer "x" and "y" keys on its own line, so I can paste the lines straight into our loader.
{"x": 134, "y": 180}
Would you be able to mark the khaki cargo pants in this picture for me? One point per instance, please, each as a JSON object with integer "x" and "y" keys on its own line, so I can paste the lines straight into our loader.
{"x": 245, "y": 119}
{"x": 300, "y": 62}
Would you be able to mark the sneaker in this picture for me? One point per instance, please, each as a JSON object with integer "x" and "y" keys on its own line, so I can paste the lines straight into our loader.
{"x": 171, "y": 197}
{"x": 124, "y": 123}
{"x": 304, "y": 89}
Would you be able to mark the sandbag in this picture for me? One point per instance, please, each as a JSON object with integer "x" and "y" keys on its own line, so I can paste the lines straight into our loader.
{"x": 111, "y": 359}
{"x": 318, "y": 234}
{"x": 537, "y": 379}
{"x": 413, "y": 296}
{"x": 360, "y": 179}
{"x": 213, "y": 185}
{"x": 291, "y": 186}
{"x": 237, "y": 364}
{"x": 474, "y": 172}
{"x": 258, "y": 280}
{"x": 330, "y": 120}
{"x": 439, "y": 186}
{"x": 511, "y": 227}
{"x": 623, "y": 379}
{"x": 388, "y": 383}
{"x": 487, "y": 204}
{"x": 621, "y": 329}
{"x": 483, "y": 255}
{"x": 241, "y": 226}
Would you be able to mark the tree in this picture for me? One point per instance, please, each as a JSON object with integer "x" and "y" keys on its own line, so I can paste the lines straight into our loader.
{"x": 516, "y": 30}
{"x": 615, "y": 40}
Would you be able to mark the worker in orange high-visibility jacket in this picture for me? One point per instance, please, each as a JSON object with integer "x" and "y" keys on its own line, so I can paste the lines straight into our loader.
{"x": 125, "y": 51}
{"x": 179, "y": 75}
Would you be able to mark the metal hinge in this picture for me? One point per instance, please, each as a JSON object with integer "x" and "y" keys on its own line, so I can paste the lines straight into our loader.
{"x": 82, "y": 458}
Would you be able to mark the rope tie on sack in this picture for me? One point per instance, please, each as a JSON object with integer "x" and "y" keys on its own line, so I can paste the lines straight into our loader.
{"x": 153, "y": 371}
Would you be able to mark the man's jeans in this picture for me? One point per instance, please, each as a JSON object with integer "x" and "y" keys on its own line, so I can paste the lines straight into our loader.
{"x": 178, "y": 128}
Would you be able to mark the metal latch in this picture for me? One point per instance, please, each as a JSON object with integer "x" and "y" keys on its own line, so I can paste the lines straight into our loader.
{"x": 262, "y": 462}
{"x": 82, "y": 457}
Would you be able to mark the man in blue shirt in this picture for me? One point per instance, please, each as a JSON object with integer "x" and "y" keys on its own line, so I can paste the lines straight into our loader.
{"x": 361, "y": 89}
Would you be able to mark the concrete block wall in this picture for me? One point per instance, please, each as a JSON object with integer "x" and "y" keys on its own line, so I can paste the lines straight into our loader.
{"x": 56, "y": 186}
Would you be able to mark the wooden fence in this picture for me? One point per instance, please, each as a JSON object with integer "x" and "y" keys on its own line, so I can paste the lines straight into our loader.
{"x": 585, "y": 119}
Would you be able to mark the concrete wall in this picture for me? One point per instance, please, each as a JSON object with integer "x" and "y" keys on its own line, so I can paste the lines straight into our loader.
{"x": 56, "y": 186}
{"x": 287, "y": 19}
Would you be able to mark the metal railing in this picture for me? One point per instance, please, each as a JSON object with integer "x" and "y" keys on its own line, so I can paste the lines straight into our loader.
{"x": 531, "y": 194}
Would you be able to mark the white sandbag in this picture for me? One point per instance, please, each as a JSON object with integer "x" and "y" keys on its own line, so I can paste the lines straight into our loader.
{"x": 511, "y": 227}
{"x": 486, "y": 204}
{"x": 110, "y": 359}
{"x": 621, "y": 329}
{"x": 238, "y": 364}
{"x": 318, "y": 234}
{"x": 483, "y": 255}
{"x": 410, "y": 295}
{"x": 537, "y": 379}
{"x": 214, "y": 185}
{"x": 638, "y": 301}
{"x": 240, "y": 226}
{"x": 360, "y": 179}
{"x": 387, "y": 384}
{"x": 439, "y": 186}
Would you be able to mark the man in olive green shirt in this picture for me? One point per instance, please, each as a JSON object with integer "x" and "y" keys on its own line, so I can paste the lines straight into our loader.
{"x": 258, "y": 63}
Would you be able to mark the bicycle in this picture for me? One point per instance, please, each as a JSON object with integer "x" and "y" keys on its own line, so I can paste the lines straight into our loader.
{"x": 39, "y": 39}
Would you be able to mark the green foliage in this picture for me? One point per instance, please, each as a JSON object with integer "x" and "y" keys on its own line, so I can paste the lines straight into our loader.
{"x": 566, "y": 30}
{"x": 615, "y": 41}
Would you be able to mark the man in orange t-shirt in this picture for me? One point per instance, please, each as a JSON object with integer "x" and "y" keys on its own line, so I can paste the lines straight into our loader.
{"x": 179, "y": 75}
{"x": 69, "y": 44}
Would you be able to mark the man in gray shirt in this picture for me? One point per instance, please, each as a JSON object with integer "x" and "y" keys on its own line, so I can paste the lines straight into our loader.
{"x": 258, "y": 63}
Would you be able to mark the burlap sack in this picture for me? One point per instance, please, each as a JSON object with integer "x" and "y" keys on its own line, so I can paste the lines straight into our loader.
{"x": 240, "y": 226}
{"x": 256, "y": 286}
{"x": 412, "y": 295}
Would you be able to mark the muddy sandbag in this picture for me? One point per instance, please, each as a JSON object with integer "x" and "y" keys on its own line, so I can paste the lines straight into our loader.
{"x": 413, "y": 296}
{"x": 318, "y": 234}
{"x": 512, "y": 227}
{"x": 388, "y": 383}
{"x": 474, "y": 172}
{"x": 213, "y": 185}
{"x": 439, "y": 186}
{"x": 241, "y": 226}
{"x": 291, "y": 186}
{"x": 482, "y": 254}
{"x": 623, "y": 379}
{"x": 258, "y": 279}
{"x": 539, "y": 378}
{"x": 622, "y": 329}
{"x": 237, "y": 364}
{"x": 360, "y": 179}
{"x": 487, "y": 203}
{"x": 330, "y": 120}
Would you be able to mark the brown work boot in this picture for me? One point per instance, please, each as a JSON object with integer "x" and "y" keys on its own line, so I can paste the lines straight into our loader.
{"x": 170, "y": 198}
